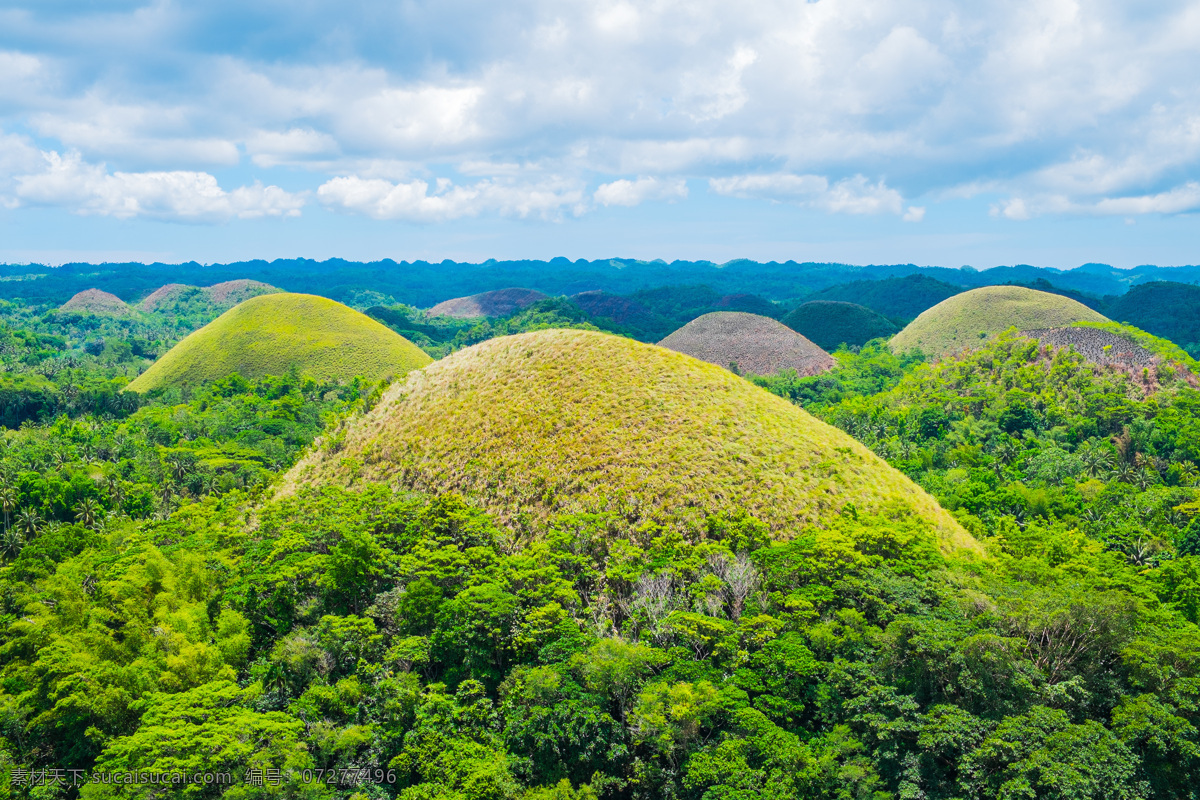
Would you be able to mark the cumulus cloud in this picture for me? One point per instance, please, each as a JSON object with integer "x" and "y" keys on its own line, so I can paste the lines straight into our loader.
{"x": 1090, "y": 100}
{"x": 89, "y": 189}
{"x": 413, "y": 201}
{"x": 856, "y": 195}
{"x": 632, "y": 193}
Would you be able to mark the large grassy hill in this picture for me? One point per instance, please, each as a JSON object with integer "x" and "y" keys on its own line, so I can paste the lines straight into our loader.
{"x": 578, "y": 421}
{"x": 271, "y": 333}
{"x": 830, "y": 323}
{"x": 1164, "y": 308}
{"x": 966, "y": 321}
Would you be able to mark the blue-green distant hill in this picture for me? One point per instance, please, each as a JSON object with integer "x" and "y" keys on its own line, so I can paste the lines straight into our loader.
{"x": 424, "y": 284}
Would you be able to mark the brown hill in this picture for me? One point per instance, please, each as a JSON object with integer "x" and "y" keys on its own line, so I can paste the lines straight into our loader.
{"x": 233, "y": 292}
{"x": 1097, "y": 346}
{"x": 755, "y": 344}
{"x": 163, "y": 293}
{"x": 95, "y": 301}
{"x": 488, "y": 304}
{"x": 222, "y": 295}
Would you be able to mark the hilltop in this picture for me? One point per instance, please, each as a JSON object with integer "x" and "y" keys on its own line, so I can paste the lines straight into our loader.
{"x": 95, "y": 301}
{"x": 966, "y": 321}
{"x": 499, "y": 303}
{"x": 272, "y": 333}
{"x": 830, "y": 323}
{"x": 748, "y": 343}
{"x": 180, "y": 298}
{"x": 570, "y": 420}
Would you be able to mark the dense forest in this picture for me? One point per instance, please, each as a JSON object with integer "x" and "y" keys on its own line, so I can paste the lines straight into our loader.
{"x": 163, "y": 611}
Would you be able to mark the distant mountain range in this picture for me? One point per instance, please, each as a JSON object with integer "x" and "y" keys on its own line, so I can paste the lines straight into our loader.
{"x": 424, "y": 284}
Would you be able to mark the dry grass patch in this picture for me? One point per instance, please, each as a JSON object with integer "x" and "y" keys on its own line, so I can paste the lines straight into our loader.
{"x": 755, "y": 344}
{"x": 499, "y": 303}
{"x": 96, "y": 301}
{"x": 563, "y": 421}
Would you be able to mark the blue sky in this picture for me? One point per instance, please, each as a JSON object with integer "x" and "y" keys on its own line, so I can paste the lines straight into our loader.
{"x": 928, "y": 131}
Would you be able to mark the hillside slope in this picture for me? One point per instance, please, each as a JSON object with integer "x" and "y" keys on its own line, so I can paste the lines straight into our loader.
{"x": 271, "y": 333}
{"x": 748, "y": 343}
{"x": 967, "y": 320}
{"x": 569, "y": 420}
{"x": 829, "y": 323}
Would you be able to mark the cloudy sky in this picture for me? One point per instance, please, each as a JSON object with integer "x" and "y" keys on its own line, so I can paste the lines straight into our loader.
{"x": 1049, "y": 132}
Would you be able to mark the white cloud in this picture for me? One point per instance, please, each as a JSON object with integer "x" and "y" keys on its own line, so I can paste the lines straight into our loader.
{"x": 69, "y": 182}
{"x": 271, "y": 148}
{"x": 631, "y": 193}
{"x": 413, "y": 201}
{"x": 1179, "y": 200}
{"x": 856, "y": 195}
{"x": 1061, "y": 104}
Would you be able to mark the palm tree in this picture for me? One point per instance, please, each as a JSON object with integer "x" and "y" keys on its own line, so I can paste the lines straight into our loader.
{"x": 1188, "y": 474}
{"x": 1096, "y": 460}
{"x": 88, "y": 512}
{"x": 8, "y": 500}
{"x": 11, "y": 542}
{"x": 1125, "y": 472}
{"x": 29, "y": 522}
{"x": 1144, "y": 479}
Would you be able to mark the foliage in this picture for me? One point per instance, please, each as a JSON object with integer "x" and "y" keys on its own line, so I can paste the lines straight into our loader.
{"x": 1164, "y": 308}
{"x": 831, "y": 324}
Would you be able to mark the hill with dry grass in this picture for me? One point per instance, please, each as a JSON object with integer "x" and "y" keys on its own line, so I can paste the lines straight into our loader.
{"x": 966, "y": 321}
{"x": 748, "y": 343}
{"x": 499, "y": 303}
{"x": 95, "y": 301}
{"x": 180, "y": 298}
{"x": 578, "y": 421}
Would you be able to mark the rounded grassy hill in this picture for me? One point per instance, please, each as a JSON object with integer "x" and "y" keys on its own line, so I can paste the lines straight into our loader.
{"x": 578, "y": 421}
{"x": 499, "y": 303}
{"x": 271, "y": 333}
{"x": 748, "y": 343}
{"x": 830, "y": 323}
{"x": 967, "y": 320}
{"x": 96, "y": 301}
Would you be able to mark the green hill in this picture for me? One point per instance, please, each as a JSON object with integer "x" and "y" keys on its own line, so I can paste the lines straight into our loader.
{"x": 271, "y": 333}
{"x": 1164, "y": 308}
{"x": 577, "y": 421}
{"x": 831, "y": 323}
{"x": 967, "y": 320}
{"x": 901, "y": 298}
